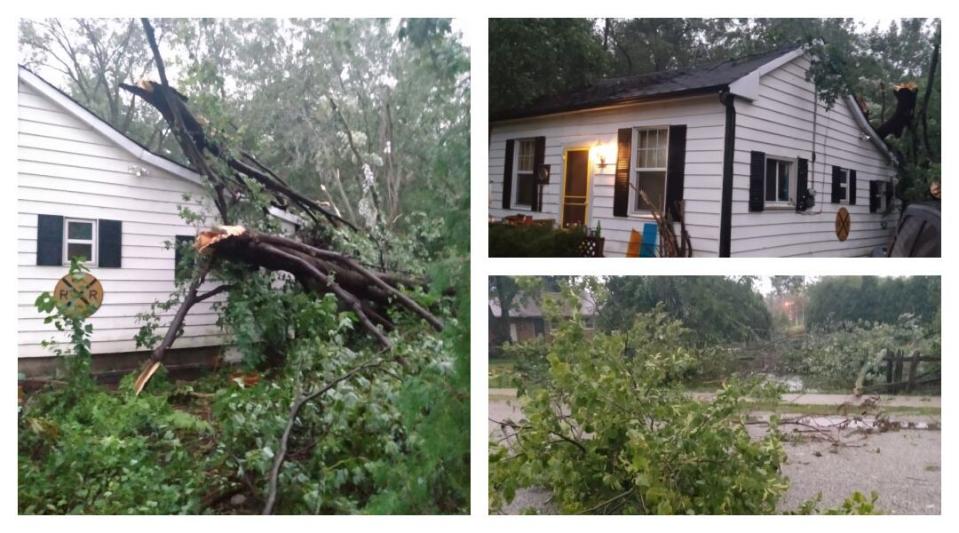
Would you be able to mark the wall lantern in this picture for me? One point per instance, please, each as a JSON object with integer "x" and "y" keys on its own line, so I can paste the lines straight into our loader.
{"x": 604, "y": 155}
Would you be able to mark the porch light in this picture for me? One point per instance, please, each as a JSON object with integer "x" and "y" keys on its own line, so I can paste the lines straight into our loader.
{"x": 604, "y": 155}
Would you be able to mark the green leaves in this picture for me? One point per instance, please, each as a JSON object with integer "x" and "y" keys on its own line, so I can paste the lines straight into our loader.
{"x": 612, "y": 433}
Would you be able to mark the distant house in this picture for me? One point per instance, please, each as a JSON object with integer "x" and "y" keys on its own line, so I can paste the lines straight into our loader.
{"x": 83, "y": 188}
{"x": 527, "y": 320}
{"x": 757, "y": 162}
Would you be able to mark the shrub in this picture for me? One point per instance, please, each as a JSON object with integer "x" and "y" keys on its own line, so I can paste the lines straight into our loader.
{"x": 534, "y": 240}
{"x": 613, "y": 431}
{"x": 109, "y": 453}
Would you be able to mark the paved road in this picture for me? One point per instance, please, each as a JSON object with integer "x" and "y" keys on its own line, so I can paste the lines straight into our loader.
{"x": 803, "y": 399}
{"x": 903, "y": 466}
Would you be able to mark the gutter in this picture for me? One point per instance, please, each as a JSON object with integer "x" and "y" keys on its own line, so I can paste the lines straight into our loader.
{"x": 871, "y": 134}
{"x": 728, "y": 100}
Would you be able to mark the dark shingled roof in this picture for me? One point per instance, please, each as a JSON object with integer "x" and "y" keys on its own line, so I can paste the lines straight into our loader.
{"x": 691, "y": 80}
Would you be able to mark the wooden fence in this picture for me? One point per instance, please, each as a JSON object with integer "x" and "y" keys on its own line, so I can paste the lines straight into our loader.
{"x": 896, "y": 363}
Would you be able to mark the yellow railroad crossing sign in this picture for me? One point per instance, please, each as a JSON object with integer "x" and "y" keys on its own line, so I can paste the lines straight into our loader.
{"x": 78, "y": 295}
{"x": 843, "y": 224}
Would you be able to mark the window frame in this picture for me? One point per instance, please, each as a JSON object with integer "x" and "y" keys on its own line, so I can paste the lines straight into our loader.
{"x": 792, "y": 182}
{"x": 635, "y": 169}
{"x": 514, "y": 201}
{"x": 844, "y": 186}
{"x": 92, "y": 241}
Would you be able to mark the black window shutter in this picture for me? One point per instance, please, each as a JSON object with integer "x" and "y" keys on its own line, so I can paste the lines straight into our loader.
{"x": 508, "y": 174}
{"x": 49, "y": 240}
{"x": 888, "y": 191}
{"x": 182, "y": 241}
{"x": 675, "y": 168}
{"x": 757, "y": 178}
{"x": 538, "y": 157}
{"x": 852, "y": 187}
{"x": 110, "y": 243}
{"x": 836, "y": 188}
{"x": 802, "y": 183}
{"x": 873, "y": 196}
{"x": 621, "y": 185}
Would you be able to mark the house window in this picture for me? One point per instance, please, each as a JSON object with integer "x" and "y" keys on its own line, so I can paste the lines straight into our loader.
{"x": 513, "y": 333}
{"x": 539, "y": 327}
{"x": 780, "y": 181}
{"x": 78, "y": 240}
{"x": 843, "y": 177}
{"x": 525, "y": 161}
{"x": 652, "y": 149}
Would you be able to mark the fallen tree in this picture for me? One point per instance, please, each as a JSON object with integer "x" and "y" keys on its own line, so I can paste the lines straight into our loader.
{"x": 369, "y": 293}
{"x": 344, "y": 398}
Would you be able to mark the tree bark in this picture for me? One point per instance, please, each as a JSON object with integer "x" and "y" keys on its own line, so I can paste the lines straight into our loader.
{"x": 924, "y": 112}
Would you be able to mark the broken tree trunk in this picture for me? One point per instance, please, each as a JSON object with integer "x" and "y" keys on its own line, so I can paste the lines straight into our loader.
{"x": 369, "y": 294}
{"x": 906, "y": 94}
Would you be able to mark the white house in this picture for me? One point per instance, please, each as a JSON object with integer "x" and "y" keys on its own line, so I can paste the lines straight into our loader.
{"x": 762, "y": 166}
{"x": 85, "y": 188}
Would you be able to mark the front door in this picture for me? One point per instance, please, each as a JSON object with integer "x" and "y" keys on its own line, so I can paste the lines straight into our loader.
{"x": 575, "y": 191}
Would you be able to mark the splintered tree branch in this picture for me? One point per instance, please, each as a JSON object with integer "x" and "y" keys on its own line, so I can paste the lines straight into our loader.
{"x": 177, "y": 125}
{"x": 173, "y": 331}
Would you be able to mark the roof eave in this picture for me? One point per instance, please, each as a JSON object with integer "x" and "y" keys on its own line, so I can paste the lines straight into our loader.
{"x": 105, "y": 129}
{"x": 605, "y": 104}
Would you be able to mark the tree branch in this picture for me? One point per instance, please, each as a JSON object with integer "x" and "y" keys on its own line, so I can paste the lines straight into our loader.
{"x": 280, "y": 457}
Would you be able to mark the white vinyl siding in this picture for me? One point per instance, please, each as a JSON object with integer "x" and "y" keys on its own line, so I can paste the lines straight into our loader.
{"x": 787, "y": 121}
{"x": 597, "y": 130}
{"x": 66, "y": 168}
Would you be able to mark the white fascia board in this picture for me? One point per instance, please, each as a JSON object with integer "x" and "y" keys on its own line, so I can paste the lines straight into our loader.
{"x": 103, "y": 128}
{"x": 748, "y": 86}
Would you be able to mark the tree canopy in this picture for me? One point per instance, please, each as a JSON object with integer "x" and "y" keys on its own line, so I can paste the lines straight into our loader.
{"x": 874, "y": 299}
{"x": 716, "y": 309}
